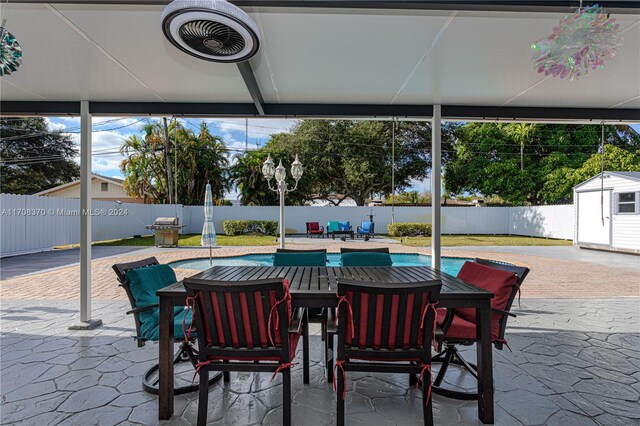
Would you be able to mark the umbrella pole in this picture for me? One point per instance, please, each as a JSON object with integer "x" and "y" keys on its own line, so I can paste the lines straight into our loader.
{"x": 209, "y": 255}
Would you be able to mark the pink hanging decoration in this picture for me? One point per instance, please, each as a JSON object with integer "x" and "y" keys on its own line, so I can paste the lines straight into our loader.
{"x": 581, "y": 42}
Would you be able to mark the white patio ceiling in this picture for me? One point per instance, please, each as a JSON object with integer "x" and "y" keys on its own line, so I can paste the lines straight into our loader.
{"x": 316, "y": 56}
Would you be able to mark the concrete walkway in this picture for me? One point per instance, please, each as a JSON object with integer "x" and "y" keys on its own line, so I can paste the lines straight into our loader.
{"x": 606, "y": 258}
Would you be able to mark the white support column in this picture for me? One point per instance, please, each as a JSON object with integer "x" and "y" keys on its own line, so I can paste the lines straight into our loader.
{"x": 85, "y": 221}
{"x": 436, "y": 189}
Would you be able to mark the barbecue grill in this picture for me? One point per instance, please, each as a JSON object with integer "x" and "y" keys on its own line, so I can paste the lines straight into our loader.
{"x": 166, "y": 231}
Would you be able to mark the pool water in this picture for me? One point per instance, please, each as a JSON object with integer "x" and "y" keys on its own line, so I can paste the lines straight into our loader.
{"x": 450, "y": 265}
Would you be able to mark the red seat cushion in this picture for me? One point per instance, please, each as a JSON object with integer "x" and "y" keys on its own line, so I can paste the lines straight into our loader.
{"x": 313, "y": 226}
{"x": 461, "y": 328}
{"x": 497, "y": 281}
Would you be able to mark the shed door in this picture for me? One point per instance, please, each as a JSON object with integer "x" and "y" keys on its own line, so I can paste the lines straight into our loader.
{"x": 590, "y": 227}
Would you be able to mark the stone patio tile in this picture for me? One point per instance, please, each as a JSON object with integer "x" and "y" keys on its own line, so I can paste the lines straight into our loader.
{"x": 372, "y": 388}
{"x": 613, "y": 420}
{"x": 27, "y": 391}
{"x": 12, "y": 412}
{"x": 44, "y": 419}
{"x": 102, "y": 416}
{"x": 609, "y": 388}
{"x": 318, "y": 399}
{"x": 629, "y": 409}
{"x": 78, "y": 380}
{"x": 567, "y": 418}
{"x": 575, "y": 402}
{"x": 395, "y": 409}
{"x": 219, "y": 402}
{"x": 85, "y": 400}
{"x": 529, "y": 408}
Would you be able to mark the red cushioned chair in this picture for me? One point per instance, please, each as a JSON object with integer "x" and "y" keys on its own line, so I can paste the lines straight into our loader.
{"x": 459, "y": 325}
{"x": 386, "y": 328}
{"x": 314, "y": 228}
{"x": 246, "y": 326}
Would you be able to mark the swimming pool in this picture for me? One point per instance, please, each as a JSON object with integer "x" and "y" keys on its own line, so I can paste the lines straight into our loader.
{"x": 450, "y": 265}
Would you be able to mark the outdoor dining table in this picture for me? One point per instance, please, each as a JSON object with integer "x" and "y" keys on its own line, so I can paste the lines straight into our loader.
{"x": 315, "y": 287}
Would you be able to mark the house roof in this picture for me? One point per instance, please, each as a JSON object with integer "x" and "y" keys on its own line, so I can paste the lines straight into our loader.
{"x": 625, "y": 175}
{"x": 352, "y": 58}
{"x": 116, "y": 181}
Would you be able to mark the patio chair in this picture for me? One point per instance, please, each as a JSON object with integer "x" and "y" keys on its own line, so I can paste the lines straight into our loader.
{"x": 364, "y": 250}
{"x": 284, "y": 257}
{"x": 314, "y": 228}
{"x": 245, "y": 326}
{"x": 386, "y": 328}
{"x": 459, "y": 325}
{"x": 366, "y": 230}
{"x": 140, "y": 280}
{"x": 363, "y": 258}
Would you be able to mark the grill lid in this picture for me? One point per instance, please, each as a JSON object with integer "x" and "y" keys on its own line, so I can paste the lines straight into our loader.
{"x": 166, "y": 221}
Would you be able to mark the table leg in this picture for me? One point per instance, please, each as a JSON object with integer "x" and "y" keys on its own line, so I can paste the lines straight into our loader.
{"x": 305, "y": 348}
{"x": 484, "y": 362}
{"x": 165, "y": 372}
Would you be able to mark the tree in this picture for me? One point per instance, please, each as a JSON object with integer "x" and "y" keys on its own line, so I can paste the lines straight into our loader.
{"x": 201, "y": 158}
{"x": 558, "y": 186}
{"x": 33, "y": 158}
{"x": 352, "y": 158}
{"x": 514, "y": 161}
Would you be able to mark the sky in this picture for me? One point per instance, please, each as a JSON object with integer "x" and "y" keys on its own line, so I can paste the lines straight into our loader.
{"x": 109, "y": 132}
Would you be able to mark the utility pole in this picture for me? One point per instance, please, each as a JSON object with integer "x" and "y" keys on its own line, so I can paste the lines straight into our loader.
{"x": 168, "y": 162}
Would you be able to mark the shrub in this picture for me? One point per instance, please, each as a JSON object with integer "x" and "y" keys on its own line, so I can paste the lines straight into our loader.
{"x": 409, "y": 229}
{"x": 240, "y": 227}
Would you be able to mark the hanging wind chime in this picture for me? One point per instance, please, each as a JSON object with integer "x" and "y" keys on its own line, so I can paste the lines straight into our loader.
{"x": 581, "y": 42}
{"x": 10, "y": 51}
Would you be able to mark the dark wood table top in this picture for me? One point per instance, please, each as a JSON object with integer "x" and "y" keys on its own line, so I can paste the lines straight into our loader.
{"x": 316, "y": 282}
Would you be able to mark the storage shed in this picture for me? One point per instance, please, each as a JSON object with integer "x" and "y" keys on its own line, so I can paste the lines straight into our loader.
{"x": 607, "y": 212}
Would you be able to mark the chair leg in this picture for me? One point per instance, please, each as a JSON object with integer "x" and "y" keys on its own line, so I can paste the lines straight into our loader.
{"x": 443, "y": 368}
{"x": 427, "y": 405}
{"x": 305, "y": 348}
{"x": 413, "y": 379}
{"x": 203, "y": 396}
{"x": 329, "y": 357}
{"x": 340, "y": 401}
{"x": 286, "y": 397}
{"x": 226, "y": 376}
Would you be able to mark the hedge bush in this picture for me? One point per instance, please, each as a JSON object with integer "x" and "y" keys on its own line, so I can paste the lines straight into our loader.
{"x": 409, "y": 229}
{"x": 240, "y": 227}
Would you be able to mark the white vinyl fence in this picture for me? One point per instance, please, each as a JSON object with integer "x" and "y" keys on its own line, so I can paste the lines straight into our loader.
{"x": 31, "y": 223}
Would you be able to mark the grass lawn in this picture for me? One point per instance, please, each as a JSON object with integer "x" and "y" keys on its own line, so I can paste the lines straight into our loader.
{"x": 484, "y": 240}
{"x": 194, "y": 240}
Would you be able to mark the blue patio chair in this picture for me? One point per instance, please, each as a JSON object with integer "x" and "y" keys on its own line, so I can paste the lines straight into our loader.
{"x": 366, "y": 229}
{"x": 344, "y": 226}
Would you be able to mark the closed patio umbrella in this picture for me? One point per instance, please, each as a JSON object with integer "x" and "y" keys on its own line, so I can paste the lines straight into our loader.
{"x": 208, "y": 230}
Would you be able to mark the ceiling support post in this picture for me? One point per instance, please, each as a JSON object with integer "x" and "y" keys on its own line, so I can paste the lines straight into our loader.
{"x": 86, "y": 322}
{"x": 436, "y": 190}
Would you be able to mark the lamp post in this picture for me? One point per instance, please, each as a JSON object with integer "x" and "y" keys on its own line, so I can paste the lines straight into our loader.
{"x": 280, "y": 173}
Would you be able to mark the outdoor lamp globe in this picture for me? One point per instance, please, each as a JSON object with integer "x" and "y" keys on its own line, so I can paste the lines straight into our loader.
{"x": 268, "y": 168}
{"x": 281, "y": 173}
{"x": 296, "y": 169}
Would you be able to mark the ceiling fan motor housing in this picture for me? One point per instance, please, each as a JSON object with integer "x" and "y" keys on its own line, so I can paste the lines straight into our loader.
{"x": 213, "y": 30}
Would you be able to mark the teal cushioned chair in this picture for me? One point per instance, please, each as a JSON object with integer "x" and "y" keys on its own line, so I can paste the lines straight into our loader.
{"x": 332, "y": 225}
{"x": 144, "y": 282}
{"x": 358, "y": 258}
{"x": 316, "y": 258}
{"x": 141, "y": 280}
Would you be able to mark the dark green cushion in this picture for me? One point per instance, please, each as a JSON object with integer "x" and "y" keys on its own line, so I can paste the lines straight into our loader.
{"x": 357, "y": 258}
{"x": 300, "y": 259}
{"x": 144, "y": 282}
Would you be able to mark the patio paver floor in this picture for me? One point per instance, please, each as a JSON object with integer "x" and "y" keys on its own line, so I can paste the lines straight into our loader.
{"x": 574, "y": 361}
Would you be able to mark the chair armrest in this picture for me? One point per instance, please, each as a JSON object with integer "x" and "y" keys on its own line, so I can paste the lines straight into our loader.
{"x": 145, "y": 308}
{"x": 322, "y": 228}
{"x": 500, "y": 311}
{"x": 358, "y": 228}
{"x": 448, "y": 319}
{"x": 296, "y": 320}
